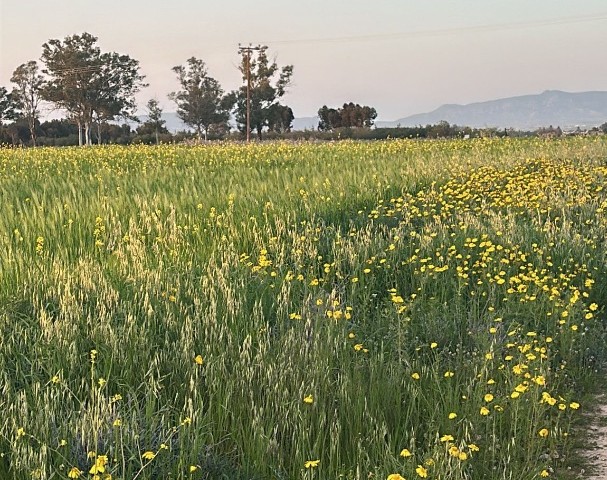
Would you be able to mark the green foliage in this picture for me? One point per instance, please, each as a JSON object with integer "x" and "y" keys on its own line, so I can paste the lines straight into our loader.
{"x": 28, "y": 93}
{"x": 154, "y": 125}
{"x": 268, "y": 83}
{"x": 7, "y": 105}
{"x": 201, "y": 102}
{"x": 349, "y": 116}
{"x": 280, "y": 118}
{"x": 89, "y": 84}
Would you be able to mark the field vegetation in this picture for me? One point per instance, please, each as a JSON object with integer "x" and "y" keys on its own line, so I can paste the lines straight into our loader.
{"x": 393, "y": 310}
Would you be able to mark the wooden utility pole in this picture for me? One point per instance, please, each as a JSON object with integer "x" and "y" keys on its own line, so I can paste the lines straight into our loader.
{"x": 246, "y": 51}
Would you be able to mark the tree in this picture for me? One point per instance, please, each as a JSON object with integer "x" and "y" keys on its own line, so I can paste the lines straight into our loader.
{"x": 350, "y": 116}
{"x": 268, "y": 84}
{"x": 154, "y": 123}
{"x": 7, "y": 106}
{"x": 28, "y": 93}
{"x": 201, "y": 102}
{"x": 328, "y": 119}
{"x": 89, "y": 84}
{"x": 280, "y": 118}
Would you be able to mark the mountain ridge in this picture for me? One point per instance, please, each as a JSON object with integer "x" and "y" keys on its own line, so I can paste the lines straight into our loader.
{"x": 551, "y": 107}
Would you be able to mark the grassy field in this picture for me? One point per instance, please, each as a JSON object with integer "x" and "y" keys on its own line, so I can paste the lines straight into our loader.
{"x": 389, "y": 310}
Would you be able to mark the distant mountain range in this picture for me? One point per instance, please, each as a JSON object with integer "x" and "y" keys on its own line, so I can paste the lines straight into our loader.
{"x": 527, "y": 112}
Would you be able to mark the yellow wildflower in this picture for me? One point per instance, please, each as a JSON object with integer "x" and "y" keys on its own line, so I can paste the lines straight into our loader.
{"x": 148, "y": 455}
{"x": 405, "y": 453}
{"x": 421, "y": 471}
{"x": 74, "y": 472}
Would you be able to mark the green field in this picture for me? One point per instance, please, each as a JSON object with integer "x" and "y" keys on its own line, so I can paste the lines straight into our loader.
{"x": 388, "y": 310}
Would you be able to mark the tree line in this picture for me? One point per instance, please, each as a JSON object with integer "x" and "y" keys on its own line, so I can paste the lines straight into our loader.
{"x": 97, "y": 89}
{"x": 94, "y": 89}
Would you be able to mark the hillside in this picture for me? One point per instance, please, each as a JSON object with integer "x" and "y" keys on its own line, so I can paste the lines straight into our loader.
{"x": 552, "y": 107}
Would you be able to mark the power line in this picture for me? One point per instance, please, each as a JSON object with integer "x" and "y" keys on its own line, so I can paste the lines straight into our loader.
{"x": 442, "y": 32}
{"x": 396, "y": 35}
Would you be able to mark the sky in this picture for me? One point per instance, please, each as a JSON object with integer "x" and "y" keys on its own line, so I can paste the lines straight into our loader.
{"x": 400, "y": 56}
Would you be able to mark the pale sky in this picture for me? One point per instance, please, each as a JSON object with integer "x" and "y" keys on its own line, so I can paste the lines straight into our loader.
{"x": 399, "y": 56}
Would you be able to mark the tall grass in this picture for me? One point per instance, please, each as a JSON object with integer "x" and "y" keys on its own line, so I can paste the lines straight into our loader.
{"x": 289, "y": 311}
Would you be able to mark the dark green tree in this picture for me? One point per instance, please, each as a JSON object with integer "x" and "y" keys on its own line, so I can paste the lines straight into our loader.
{"x": 280, "y": 118}
{"x": 268, "y": 84}
{"x": 27, "y": 93}
{"x": 201, "y": 102}
{"x": 154, "y": 123}
{"x": 351, "y": 115}
{"x": 328, "y": 119}
{"x": 88, "y": 84}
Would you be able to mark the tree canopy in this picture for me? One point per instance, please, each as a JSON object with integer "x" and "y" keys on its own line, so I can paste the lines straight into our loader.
{"x": 89, "y": 84}
{"x": 351, "y": 115}
{"x": 201, "y": 102}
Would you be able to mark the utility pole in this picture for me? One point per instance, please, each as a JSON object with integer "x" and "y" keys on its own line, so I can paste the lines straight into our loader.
{"x": 246, "y": 51}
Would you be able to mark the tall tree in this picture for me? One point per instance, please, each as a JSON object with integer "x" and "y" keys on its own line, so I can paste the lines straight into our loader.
{"x": 89, "y": 84}
{"x": 28, "y": 93}
{"x": 268, "y": 83}
{"x": 201, "y": 102}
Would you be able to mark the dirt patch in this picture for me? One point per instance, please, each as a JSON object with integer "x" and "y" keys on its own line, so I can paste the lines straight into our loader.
{"x": 596, "y": 452}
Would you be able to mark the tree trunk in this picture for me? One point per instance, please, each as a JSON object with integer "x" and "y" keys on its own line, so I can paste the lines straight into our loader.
{"x": 87, "y": 133}
{"x": 259, "y": 129}
{"x": 79, "y": 133}
{"x": 206, "y": 131}
{"x": 98, "y": 133}
{"x": 32, "y": 125}
{"x": 156, "y": 136}
{"x": 199, "y": 133}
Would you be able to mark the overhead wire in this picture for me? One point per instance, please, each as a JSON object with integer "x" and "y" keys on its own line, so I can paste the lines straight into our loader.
{"x": 399, "y": 35}
{"x": 443, "y": 31}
